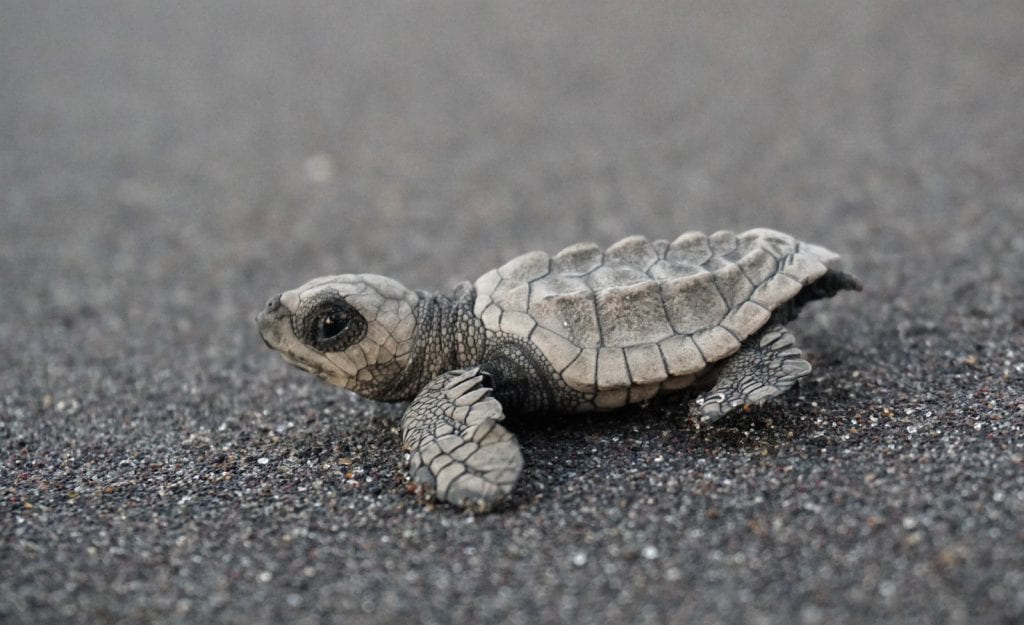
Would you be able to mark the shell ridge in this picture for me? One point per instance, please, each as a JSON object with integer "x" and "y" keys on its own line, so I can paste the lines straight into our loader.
{"x": 740, "y": 305}
{"x": 664, "y": 362}
{"x": 629, "y": 372}
{"x": 664, "y": 311}
{"x": 721, "y": 271}
{"x": 747, "y": 276}
{"x": 541, "y": 277}
{"x": 729, "y": 330}
{"x": 566, "y": 367}
{"x": 728, "y": 309}
{"x": 600, "y": 327}
{"x": 703, "y": 356}
{"x": 752, "y": 302}
{"x": 664, "y": 307}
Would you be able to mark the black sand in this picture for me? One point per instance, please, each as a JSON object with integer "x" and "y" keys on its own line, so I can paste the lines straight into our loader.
{"x": 166, "y": 168}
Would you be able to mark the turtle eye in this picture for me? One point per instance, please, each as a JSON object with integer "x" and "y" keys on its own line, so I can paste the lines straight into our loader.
{"x": 330, "y": 324}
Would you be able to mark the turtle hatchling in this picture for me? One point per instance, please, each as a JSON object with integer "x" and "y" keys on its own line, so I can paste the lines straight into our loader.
{"x": 585, "y": 329}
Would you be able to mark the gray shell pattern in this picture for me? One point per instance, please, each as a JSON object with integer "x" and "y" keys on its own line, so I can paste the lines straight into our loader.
{"x": 642, "y": 312}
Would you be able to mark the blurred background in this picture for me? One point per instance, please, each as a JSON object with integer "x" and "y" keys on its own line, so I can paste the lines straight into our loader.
{"x": 273, "y": 141}
{"x": 167, "y": 166}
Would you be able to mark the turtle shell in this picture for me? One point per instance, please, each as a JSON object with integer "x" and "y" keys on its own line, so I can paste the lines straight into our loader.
{"x": 643, "y": 313}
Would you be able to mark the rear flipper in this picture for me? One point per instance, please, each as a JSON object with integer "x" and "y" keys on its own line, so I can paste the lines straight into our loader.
{"x": 766, "y": 366}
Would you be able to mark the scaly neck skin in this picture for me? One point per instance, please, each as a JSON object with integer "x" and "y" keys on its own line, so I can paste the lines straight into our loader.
{"x": 448, "y": 336}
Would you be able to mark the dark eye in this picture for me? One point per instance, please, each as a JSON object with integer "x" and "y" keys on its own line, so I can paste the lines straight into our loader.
{"x": 327, "y": 323}
{"x": 330, "y": 325}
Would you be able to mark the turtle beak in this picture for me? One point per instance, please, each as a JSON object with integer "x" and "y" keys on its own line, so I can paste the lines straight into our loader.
{"x": 269, "y": 321}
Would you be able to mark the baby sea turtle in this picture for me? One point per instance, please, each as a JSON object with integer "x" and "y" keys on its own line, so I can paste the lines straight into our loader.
{"x": 582, "y": 330}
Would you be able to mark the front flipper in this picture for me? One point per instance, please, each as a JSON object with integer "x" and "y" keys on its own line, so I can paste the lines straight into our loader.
{"x": 766, "y": 366}
{"x": 458, "y": 451}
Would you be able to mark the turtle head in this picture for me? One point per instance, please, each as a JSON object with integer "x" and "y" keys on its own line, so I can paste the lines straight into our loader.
{"x": 354, "y": 330}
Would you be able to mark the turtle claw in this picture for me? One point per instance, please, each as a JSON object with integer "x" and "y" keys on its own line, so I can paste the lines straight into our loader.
{"x": 714, "y": 406}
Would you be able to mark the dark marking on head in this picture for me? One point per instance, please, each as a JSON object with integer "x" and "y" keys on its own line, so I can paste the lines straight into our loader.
{"x": 327, "y": 323}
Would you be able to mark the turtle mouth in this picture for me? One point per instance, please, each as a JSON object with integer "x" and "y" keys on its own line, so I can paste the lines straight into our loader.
{"x": 298, "y": 363}
{"x": 305, "y": 365}
{"x": 264, "y": 339}
{"x": 270, "y": 321}
{"x": 268, "y": 329}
